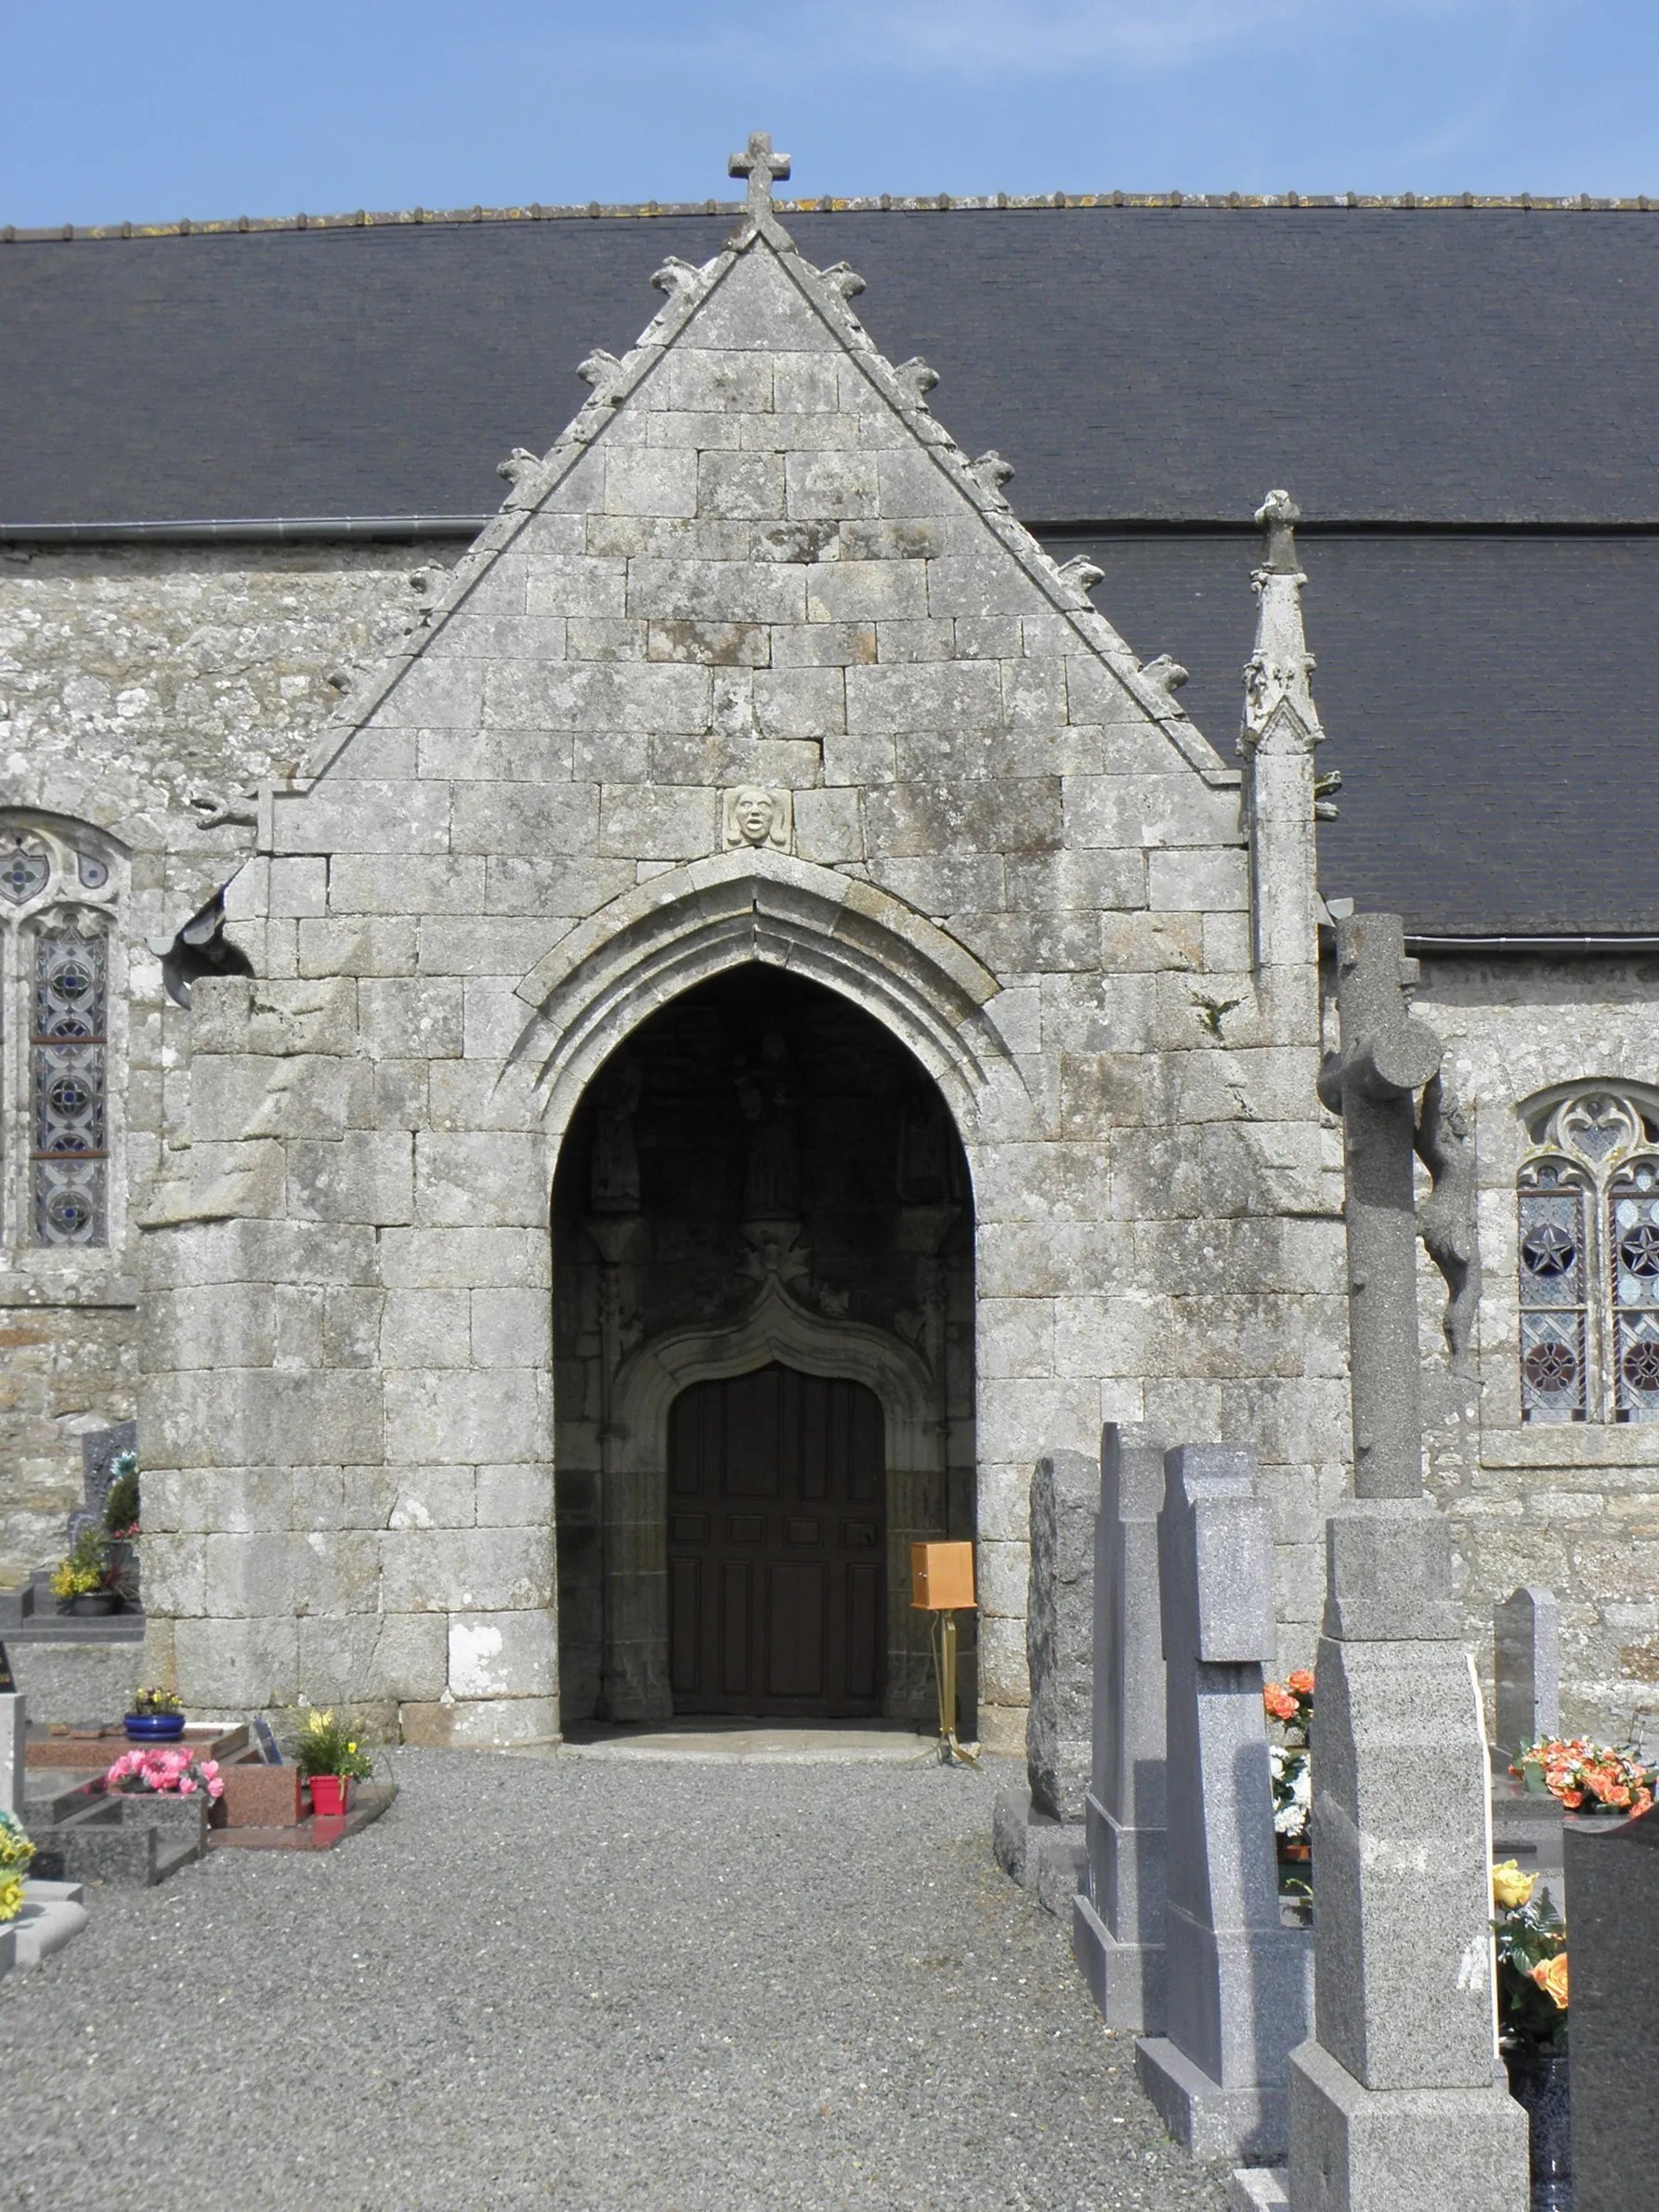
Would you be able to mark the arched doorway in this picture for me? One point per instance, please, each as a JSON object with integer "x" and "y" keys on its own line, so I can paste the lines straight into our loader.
{"x": 761, "y": 1182}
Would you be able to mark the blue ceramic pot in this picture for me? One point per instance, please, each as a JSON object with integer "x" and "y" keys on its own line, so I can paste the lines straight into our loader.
{"x": 1540, "y": 2082}
{"x": 154, "y": 1728}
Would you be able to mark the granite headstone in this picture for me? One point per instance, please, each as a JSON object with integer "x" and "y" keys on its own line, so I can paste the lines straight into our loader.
{"x": 1612, "y": 1945}
{"x": 1117, "y": 1921}
{"x": 1526, "y": 1649}
{"x": 1237, "y": 1982}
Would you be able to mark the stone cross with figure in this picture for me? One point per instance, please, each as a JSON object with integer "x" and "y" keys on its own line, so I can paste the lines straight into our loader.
{"x": 1396, "y": 2100}
{"x": 759, "y": 165}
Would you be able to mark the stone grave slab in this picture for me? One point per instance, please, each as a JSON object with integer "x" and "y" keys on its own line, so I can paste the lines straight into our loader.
{"x": 54, "y": 1913}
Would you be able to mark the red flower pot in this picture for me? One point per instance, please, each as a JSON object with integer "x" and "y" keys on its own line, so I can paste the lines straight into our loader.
{"x": 331, "y": 1796}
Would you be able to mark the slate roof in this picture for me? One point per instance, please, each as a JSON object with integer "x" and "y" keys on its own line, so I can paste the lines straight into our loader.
{"x": 1492, "y": 702}
{"x": 1472, "y": 392}
{"x": 1438, "y": 365}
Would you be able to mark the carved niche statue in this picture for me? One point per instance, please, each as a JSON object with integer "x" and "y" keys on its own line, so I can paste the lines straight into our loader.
{"x": 767, "y": 1094}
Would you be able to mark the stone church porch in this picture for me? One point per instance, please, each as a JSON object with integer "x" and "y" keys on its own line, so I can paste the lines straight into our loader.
{"x": 597, "y": 1985}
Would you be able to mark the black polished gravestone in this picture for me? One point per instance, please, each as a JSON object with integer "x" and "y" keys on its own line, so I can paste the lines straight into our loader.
{"x": 1613, "y": 1943}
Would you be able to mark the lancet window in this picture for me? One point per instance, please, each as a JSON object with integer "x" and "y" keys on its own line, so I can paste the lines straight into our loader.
{"x": 57, "y": 946}
{"x": 1589, "y": 1257}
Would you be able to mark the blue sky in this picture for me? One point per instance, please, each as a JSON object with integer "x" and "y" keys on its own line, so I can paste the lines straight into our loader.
{"x": 151, "y": 113}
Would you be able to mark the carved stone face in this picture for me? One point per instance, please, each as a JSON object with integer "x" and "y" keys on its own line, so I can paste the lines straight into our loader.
{"x": 754, "y": 811}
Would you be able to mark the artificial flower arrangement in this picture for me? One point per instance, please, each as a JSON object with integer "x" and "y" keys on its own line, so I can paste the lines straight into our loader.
{"x": 85, "y": 1570}
{"x": 121, "y": 1527}
{"x": 153, "y": 1704}
{"x": 16, "y": 1854}
{"x": 1532, "y": 1962}
{"x": 164, "y": 1774}
{"x": 1587, "y": 1777}
{"x": 1290, "y": 1703}
{"x": 327, "y": 1747}
{"x": 121, "y": 1506}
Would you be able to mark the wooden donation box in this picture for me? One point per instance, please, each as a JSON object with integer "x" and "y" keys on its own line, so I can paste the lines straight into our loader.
{"x": 941, "y": 1578}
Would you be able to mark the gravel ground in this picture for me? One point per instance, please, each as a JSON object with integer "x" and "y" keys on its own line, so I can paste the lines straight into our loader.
{"x": 593, "y": 1985}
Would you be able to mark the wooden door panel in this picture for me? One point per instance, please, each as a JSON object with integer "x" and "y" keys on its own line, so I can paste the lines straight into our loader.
{"x": 685, "y": 1614}
{"x": 776, "y": 1546}
{"x": 737, "y": 1627}
{"x": 796, "y": 1657}
{"x": 864, "y": 1628}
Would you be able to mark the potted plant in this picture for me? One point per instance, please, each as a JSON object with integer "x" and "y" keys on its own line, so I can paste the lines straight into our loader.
{"x": 16, "y": 1854}
{"x": 121, "y": 1527}
{"x": 329, "y": 1755}
{"x": 157, "y": 1718}
{"x": 82, "y": 1583}
{"x": 1532, "y": 2014}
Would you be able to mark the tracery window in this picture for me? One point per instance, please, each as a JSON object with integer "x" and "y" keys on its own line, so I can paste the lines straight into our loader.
{"x": 58, "y": 892}
{"x": 1589, "y": 1257}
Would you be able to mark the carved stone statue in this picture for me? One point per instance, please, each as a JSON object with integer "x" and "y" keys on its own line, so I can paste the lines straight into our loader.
{"x": 757, "y": 818}
{"x": 772, "y": 1183}
{"x": 1446, "y": 1217}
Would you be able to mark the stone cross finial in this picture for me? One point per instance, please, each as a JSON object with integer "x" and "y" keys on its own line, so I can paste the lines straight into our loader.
{"x": 1278, "y": 516}
{"x": 760, "y": 165}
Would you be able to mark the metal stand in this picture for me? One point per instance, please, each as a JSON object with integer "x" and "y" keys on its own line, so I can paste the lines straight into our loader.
{"x": 942, "y": 1640}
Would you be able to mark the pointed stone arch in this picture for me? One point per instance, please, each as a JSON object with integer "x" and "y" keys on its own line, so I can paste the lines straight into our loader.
{"x": 659, "y": 940}
{"x": 776, "y": 1327}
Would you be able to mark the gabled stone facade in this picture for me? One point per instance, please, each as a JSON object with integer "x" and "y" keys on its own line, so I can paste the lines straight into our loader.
{"x": 754, "y": 665}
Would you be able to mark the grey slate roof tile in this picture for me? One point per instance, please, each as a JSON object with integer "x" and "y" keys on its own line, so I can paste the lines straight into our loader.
{"x": 1489, "y": 699}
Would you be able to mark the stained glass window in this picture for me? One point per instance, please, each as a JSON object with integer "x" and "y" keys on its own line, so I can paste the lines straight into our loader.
{"x": 67, "y": 1080}
{"x": 57, "y": 912}
{"x": 1552, "y": 1293}
{"x": 1588, "y": 1259}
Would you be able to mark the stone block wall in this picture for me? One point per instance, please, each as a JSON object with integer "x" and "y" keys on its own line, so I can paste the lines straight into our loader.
{"x": 755, "y": 560}
{"x": 133, "y": 679}
{"x": 1572, "y": 1507}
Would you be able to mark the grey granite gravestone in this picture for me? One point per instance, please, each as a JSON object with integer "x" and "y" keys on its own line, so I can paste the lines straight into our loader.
{"x": 1237, "y": 1981}
{"x": 1612, "y": 1945}
{"x": 1060, "y": 1631}
{"x": 1526, "y": 1675}
{"x": 1037, "y": 1832}
{"x": 1397, "y": 2102}
{"x": 1117, "y": 1921}
{"x": 14, "y": 1745}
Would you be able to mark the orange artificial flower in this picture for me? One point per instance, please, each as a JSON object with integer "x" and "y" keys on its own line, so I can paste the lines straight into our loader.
{"x": 1550, "y": 1974}
{"x": 1280, "y": 1702}
{"x": 1302, "y": 1682}
{"x": 1572, "y": 1798}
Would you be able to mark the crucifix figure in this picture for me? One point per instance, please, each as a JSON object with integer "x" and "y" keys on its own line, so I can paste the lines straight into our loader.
{"x": 760, "y": 165}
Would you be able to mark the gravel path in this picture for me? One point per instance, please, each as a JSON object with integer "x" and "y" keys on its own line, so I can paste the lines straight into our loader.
{"x": 590, "y": 1986}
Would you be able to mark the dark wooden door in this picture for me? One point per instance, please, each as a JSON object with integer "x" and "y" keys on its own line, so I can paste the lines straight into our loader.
{"x": 776, "y": 1547}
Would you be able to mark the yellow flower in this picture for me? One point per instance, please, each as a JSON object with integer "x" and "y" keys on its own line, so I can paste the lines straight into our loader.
{"x": 1511, "y": 1887}
{"x": 11, "y": 1897}
{"x": 351, "y": 1746}
{"x": 1551, "y": 1977}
